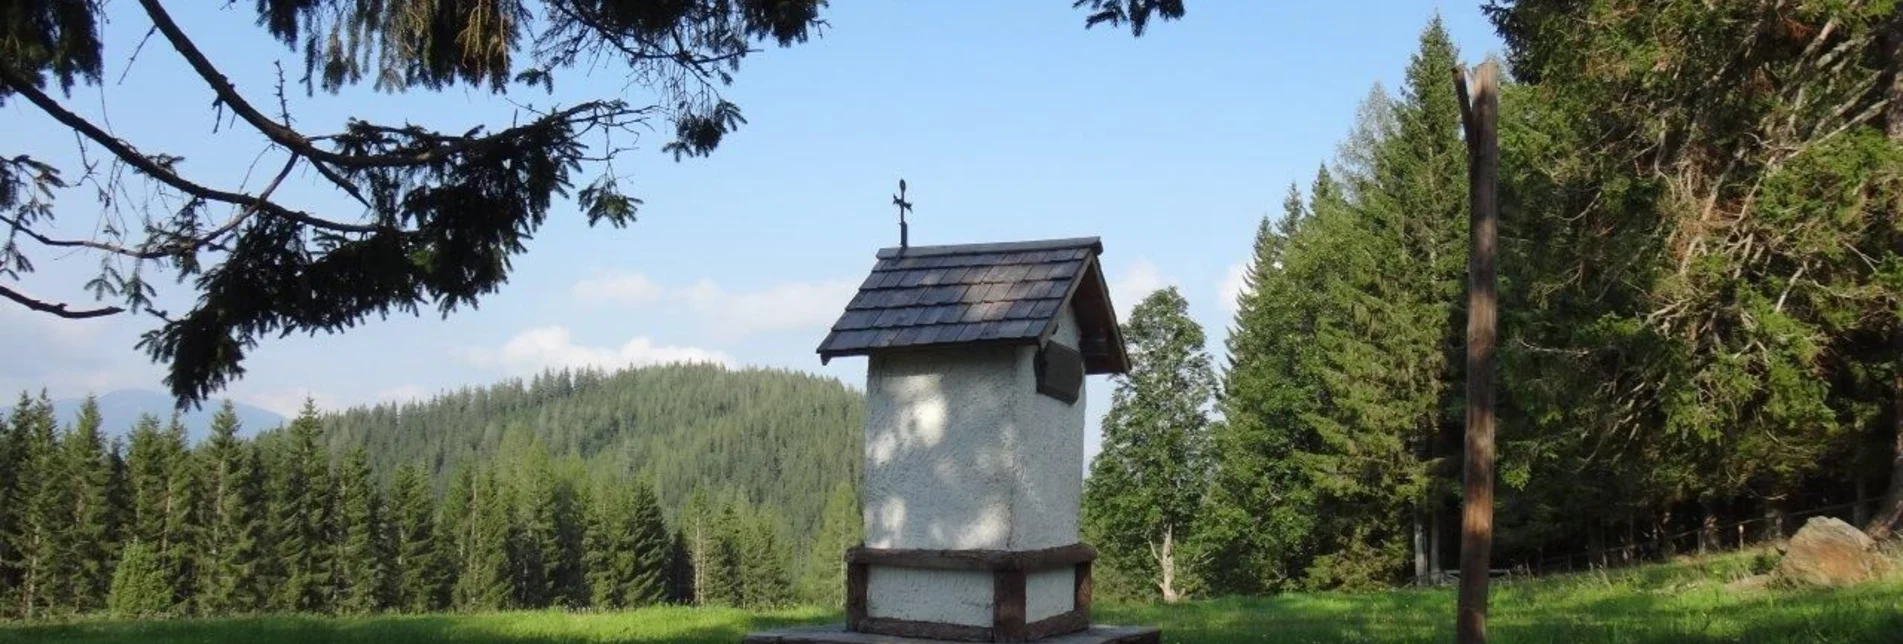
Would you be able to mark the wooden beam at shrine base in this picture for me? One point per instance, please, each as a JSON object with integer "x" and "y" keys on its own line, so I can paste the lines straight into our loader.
{"x": 982, "y": 560}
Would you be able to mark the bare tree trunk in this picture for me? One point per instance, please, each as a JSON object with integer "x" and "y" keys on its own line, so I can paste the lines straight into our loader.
{"x": 1434, "y": 519}
{"x": 1481, "y": 119}
{"x": 1707, "y": 527}
{"x": 1420, "y": 550}
{"x": 1662, "y": 534}
{"x": 1166, "y": 566}
{"x": 698, "y": 559}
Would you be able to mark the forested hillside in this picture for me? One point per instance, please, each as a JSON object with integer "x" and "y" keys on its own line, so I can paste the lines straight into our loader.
{"x": 779, "y": 439}
{"x": 1701, "y": 281}
{"x": 690, "y": 484}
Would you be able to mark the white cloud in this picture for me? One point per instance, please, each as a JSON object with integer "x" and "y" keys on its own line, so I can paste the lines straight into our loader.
{"x": 554, "y": 347}
{"x": 1136, "y": 282}
{"x": 786, "y": 305}
{"x": 779, "y": 307}
{"x": 289, "y": 402}
{"x": 630, "y": 288}
{"x": 1234, "y": 282}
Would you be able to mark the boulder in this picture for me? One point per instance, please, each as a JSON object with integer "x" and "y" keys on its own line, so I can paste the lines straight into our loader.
{"x": 1828, "y": 552}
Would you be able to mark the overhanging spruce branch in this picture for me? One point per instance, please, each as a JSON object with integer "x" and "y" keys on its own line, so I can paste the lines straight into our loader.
{"x": 143, "y": 163}
{"x": 58, "y": 309}
{"x": 299, "y": 144}
{"x": 169, "y": 248}
{"x": 681, "y": 54}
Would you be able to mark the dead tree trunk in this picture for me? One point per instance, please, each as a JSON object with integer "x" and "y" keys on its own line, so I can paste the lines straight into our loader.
{"x": 1773, "y": 520}
{"x": 1420, "y": 549}
{"x": 1480, "y": 117}
{"x": 1165, "y": 557}
{"x": 1707, "y": 527}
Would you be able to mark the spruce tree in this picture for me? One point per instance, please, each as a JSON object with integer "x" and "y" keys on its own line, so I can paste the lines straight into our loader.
{"x": 485, "y": 572}
{"x": 40, "y": 510}
{"x": 628, "y": 546}
{"x": 416, "y": 555}
{"x": 1386, "y": 321}
{"x": 824, "y": 580}
{"x": 183, "y": 532}
{"x": 651, "y": 543}
{"x": 229, "y": 580}
{"x": 161, "y": 481}
{"x": 299, "y": 494}
{"x": 85, "y": 555}
{"x": 605, "y": 543}
{"x": 12, "y": 448}
{"x": 719, "y": 570}
{"x": 140, "y": 584}
{"x": 1258, "y": 517}
{"x": 358, "y": 561}
{"x": 761, "y": 563}
{"x": 1145, "y": 487}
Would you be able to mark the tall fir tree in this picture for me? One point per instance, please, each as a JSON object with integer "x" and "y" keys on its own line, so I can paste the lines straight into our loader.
{"x": 1258, "y": 518}
{"x": 12, "y": 450}
{"x": 160, "y": 481}
{"x": 181, "y": 547}
{"x": 485, "y": 571}
{"x": 824, "y": 580}
{"x": 85, "y": 551}
{"x": 761, "y": 562}
{"x": 141, "y": 587}
{"x": 1147, "y": 483}
{"x": 39, "y": 509}
{"x": 299, "y": 512}
{"x": 419, "y": 576}
{"x": 628, "y": 546}
{"x": 229, "y": 579}
{"x": 720, "y": 569}
{"x": 356, "y": 537}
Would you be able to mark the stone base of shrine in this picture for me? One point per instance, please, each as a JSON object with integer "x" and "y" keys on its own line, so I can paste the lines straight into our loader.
{"x": 837, "y": 634}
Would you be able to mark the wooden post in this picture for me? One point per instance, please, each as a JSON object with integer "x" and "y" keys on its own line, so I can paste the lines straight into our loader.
{"x": 1480, "y": 118}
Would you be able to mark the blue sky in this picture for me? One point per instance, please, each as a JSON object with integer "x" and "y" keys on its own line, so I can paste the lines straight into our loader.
{"x": 1006, "y": 117}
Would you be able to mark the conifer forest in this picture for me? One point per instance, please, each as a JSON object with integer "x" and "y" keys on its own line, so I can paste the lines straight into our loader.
{"x": 1700, "y": 345}
{"x": 683, "y": 484}
{"x": 1701, "y": 292}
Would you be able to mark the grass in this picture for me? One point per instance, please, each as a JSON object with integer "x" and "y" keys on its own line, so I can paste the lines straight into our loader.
{"x": 1680, "y": 603}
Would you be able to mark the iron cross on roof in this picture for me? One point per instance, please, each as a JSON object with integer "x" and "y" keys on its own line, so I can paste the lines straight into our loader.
{"x": 904, "y": 207}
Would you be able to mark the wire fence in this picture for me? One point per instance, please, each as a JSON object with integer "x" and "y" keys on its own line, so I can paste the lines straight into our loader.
{"x": 1703, "y": 539}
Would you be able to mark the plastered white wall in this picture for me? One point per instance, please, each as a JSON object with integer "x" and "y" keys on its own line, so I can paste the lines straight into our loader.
{"x": 940, "y": 462}
{"x": 1050, "y": 456}
{"x": 1049, "y": 593}
{"x": 946, "y": 596}
{"x": 961, "y": 452}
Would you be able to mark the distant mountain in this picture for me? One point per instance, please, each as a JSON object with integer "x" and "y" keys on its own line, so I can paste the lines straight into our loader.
{"x": 120, "y": 409}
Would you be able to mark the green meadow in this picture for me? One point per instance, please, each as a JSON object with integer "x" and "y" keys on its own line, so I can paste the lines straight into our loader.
{"x": 1681, "y": 603}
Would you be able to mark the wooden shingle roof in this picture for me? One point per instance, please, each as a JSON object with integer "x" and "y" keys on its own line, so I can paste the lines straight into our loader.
{"x": 1004, "y": 293}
